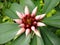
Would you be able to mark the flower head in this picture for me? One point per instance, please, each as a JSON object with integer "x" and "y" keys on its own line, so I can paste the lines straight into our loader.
{"x": 29, "y": 22}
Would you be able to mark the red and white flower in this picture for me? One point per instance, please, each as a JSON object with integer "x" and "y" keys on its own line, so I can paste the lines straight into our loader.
{"x": 29, "y": 22}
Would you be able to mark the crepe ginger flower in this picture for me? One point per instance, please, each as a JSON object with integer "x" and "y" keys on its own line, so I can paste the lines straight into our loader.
{"x": 29, "y": 22}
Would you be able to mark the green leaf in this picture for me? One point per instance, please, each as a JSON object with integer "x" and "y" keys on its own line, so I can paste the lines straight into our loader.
{"x": 22, "y": 40}
{"x": 37, "y": 40}
{"x": 45, "y": 38}
{"x": 16, "y": 7}
{"x": 49, "y": 37}
{"x": 12, "y": 11}
{"x": 0, "y": 18}
{"x": 49, "y": 5}
{"x": 1, "y": 5}
{"x": 7, "y": 32}
{"x": 53, "y": 21}
{"x": 58, "y": 32}
{"x": 28, "y": 3}
{"x": 10, "y": 14}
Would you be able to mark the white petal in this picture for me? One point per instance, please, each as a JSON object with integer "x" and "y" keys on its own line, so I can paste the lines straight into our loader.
{"x": 40, "y": 24}
{"x": 26, "y": 10}
{"x": 22, "y": 25}
{"x": 19, "y": 14}
{"x": 27, "y": 32}
{"x": 33, "y": 28}
{"x": 18, "y": 21}
{"x": 40, "y": 16}
{"x": 34, "y": 11}
{"x": 37, "y": 33}
{"x": 20, "y": 31}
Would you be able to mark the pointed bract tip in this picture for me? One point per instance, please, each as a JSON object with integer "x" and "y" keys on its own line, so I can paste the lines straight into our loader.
{"x": 40, "y": 16}
{"x": 40, "y": 24}
{"x": 37, "y": 33}
{"x": 26, "y": 10}
{"x": 20, "y": 31}
{"x": 19, "y": 14}
{"x": 43, "y": 15}
{"x": 34, "y": 11}
{"x": 27, "y": 32}
{"x": 36, "y": 8}
{"x": 33, "y": 28}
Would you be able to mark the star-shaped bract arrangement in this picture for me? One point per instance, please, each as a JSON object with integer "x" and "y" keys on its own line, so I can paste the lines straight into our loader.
{"x": 29, "y": 22}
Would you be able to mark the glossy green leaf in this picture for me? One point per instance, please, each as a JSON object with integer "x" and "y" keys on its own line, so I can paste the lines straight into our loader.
{"x": 28, "y": 3}
{"x": 37, "y": 40}
{"x": 45, "y": 38}
{"x": 10, "y": 14}
{"x": 49, "y": 37}
{"x": 7, "y": 32}
{"x": 12, "y": 11}
{"x": 22, "y": 40}
{"x": 49, "y": 5}
{"x": 53, "y": 21}
{"x": 16, "y": 7}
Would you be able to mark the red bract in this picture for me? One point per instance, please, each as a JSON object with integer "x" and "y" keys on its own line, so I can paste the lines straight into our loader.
{"x": 29, "y": 22}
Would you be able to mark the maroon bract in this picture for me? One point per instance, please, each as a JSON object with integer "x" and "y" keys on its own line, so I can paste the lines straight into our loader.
{"x": 29, "y": 22}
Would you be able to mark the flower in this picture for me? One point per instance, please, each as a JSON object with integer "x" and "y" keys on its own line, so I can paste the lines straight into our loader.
{"x": 29, "y": 22}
